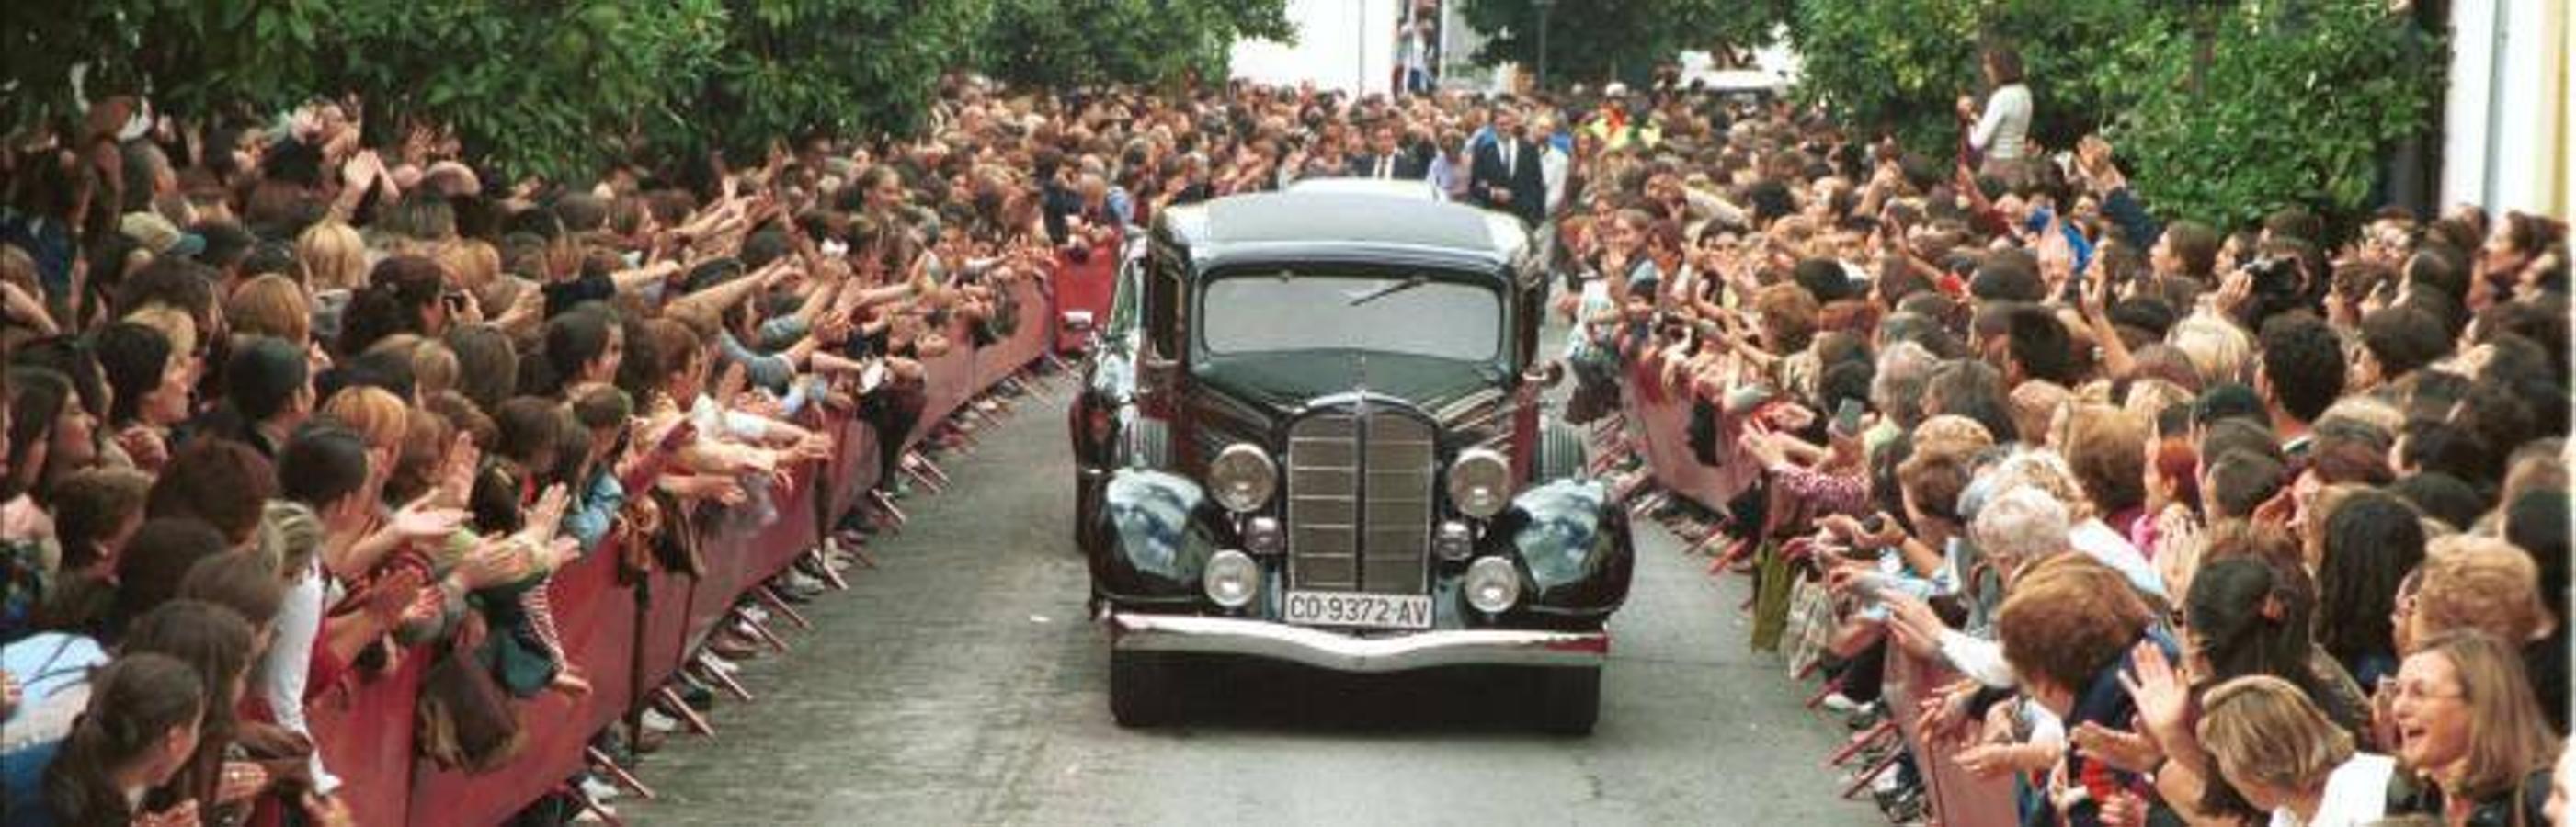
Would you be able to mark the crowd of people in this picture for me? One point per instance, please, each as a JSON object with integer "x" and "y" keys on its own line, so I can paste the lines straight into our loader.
{"x": 2203, "y": 524}
{"x": 290, "y": 403}
{"x": 2211, "y": 524}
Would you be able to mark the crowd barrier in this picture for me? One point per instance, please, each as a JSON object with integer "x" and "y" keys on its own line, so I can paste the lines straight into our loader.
{"x": 628, "y": 638}
{"x": 1660, "y": 428}
{"x": 1084, "y": 286}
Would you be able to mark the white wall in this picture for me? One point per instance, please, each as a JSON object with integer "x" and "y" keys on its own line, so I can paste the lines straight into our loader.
{"x": 1347, "y": 45}
{"x": 2505, "y": 128}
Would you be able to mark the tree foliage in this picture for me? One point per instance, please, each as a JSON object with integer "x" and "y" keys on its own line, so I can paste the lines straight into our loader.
{"x": 2295, "y": 107}
{"x": 1085, "y": 42}
{"x": 1899, "y": 66}
{"x": 190, "y": 57}
{"x": 582, "y": 79}
{"x": 1594, "y": 41}
{"x": 554, "y": 87}
{"x": 793, "y": 68}
{"x": 2295, "y": 101}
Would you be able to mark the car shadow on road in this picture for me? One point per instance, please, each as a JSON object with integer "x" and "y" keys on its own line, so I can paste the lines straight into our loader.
{"x": 1221, "y": 693}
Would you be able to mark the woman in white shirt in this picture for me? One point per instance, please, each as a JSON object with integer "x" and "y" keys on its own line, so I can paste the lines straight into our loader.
{"x": 2279, "y": 752}
{"x": 2002, "y": 131}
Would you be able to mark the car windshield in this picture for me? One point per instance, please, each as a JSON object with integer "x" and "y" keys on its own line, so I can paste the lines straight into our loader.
{"x": 1414, "y": 314}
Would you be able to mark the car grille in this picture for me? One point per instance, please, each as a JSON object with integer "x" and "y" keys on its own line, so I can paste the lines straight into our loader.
{"x": 1359, "y": 501}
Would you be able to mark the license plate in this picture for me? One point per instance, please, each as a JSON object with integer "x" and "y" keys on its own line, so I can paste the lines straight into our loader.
{"x": 1372, "y": 611}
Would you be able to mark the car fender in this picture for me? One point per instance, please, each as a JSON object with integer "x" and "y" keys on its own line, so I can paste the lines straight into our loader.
{"x": 1573, "y": 544}
{"x": 1153, "y": 539}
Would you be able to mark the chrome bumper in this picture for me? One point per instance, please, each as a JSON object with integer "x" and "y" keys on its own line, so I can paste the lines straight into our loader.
{"x": 1330, "y": 650}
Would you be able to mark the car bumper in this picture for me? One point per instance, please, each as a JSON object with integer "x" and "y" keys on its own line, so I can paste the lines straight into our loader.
{"x": 1138, "y": 632}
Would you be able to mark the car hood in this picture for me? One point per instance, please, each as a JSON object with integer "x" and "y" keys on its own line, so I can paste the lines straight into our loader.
{"x": 1285, "y": 381}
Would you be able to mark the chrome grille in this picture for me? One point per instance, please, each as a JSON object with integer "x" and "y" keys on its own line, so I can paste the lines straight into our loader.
{"x": 1359, "y": 502}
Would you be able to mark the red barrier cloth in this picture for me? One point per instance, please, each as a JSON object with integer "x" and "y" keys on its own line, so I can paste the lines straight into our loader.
{"x": 1084, "y": 285}
{"x": 1957, "y": 797}
{"x": 364, "y": 730}
{"x": 1662, "y": 430}
{"x": 596, "y": 616}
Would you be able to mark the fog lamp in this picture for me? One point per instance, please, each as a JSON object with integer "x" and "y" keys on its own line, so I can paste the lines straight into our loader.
{"x": 1493, "y": 585}
{"x": 1232, "y": 579}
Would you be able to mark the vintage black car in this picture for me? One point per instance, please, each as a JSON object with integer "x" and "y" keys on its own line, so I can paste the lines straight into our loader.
{"x": 1310, "y": 431}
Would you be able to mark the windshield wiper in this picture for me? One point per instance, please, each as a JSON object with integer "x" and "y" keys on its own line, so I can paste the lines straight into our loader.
{"x": 1408, "y": 283}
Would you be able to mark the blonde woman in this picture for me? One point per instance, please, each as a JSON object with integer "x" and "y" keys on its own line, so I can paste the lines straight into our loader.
{"x": 2217, "y": 348}
{"x": 2282, "y": 755}
{"x": 334, "y": 256}
{"x": 271, "y": 305}
{"x": 335, "y": 264}
{"x": 2480, "y": 583}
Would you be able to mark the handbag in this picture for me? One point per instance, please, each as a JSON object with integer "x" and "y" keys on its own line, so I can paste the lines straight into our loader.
{"x": 465, "y": 721}
{"x": 675, "y": 547}
{"x": 1773, "y": 577}
{"x": 1702, "y": 431}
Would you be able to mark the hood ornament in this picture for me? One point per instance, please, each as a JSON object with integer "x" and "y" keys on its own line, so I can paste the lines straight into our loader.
{"x": 1359, "y": 382}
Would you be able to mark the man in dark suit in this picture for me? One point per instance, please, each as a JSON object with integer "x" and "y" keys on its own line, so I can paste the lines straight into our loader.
{"x": 1505, "y": 173}
{"x": 1386, "y": 160}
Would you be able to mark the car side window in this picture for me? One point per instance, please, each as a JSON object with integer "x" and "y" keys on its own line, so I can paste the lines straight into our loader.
{"x": 1163, "y": 305}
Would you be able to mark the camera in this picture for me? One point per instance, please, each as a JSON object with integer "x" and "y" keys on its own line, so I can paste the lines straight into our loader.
{"x": 2277, "y": 282}
{"x": 2274, "y": 275}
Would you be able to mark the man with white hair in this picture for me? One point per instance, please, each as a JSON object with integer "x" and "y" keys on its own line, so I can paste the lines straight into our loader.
{"x": 2015, "y": 530}
{"x": 2020, "y": 527}
{"x": 1897, "y": 386}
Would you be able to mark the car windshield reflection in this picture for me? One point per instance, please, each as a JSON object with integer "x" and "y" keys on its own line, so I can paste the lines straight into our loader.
{"x": 1417, "y": 315}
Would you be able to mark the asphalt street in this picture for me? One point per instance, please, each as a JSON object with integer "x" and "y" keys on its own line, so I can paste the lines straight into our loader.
{"x": 962, "y": 684}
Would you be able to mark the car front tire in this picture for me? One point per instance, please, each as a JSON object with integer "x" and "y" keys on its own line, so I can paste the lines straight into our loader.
{"x": 1140, "y": 689}
{"x": 1569, "y": 699}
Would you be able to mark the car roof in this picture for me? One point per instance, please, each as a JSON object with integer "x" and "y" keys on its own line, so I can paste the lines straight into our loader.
{"x": 1343, "y": 226}
{"x": 1413, "y": 188}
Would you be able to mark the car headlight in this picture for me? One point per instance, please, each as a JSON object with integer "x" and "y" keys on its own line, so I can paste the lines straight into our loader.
{"x": 1242, "y": 477}
{"x": 1232, "y": 579}
{"x": 1453, "y": 540}
{"x": 1263, "y": 537}
{"x": 1480, "y": 482}
{"x": 1493, "y": 585}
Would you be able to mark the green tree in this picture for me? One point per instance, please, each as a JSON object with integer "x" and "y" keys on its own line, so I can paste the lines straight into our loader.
{"x": 1899, "y": 66}
{"x": 188, "y": 56}
{"x": 791, "y": 68}
{"x": 2224, "y": 110}
{"x": 1082, "y": 42}
{"x": 1596, "y": 41}
{"x": 555, "y": 87}
{"x": 533, "y": 88}
{"x": 2295, "y": 106}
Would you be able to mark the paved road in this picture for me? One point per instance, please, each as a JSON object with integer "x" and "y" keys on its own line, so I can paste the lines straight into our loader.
{"x": 961, "y": 684}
